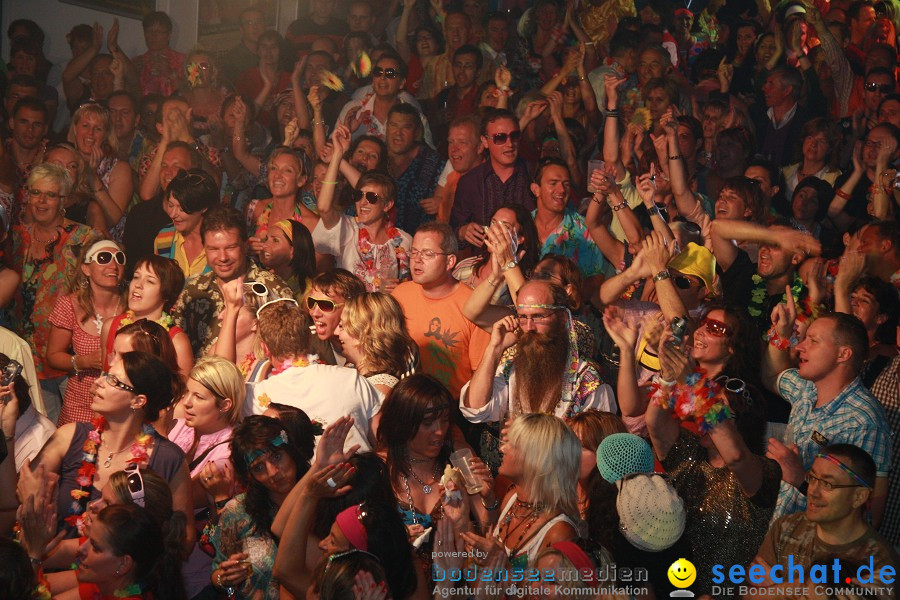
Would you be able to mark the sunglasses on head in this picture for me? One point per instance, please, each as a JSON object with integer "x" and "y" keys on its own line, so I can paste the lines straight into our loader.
{"x": 735, "y": 386}
{"x": 275, "y": 301}
{"x": 135, "y": 484}
{"x": 371, "y": 197}
{"x": 884, "y": 88}
{"x": 257, "y": 288}
{"x": 104, "y": 257}
{"x": 716, "y": 328}
{"x": 390, "y": 73}
{"x": 325, "y": 304}
{"x": 500, "y": 138}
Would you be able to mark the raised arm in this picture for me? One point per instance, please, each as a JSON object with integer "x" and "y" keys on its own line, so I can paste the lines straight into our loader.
{"x": 402, "y": 36}
{"x": 503, "y": 335}
{"x": 611, "y": 152}
{"x": 72, "y": 86}
{"x": 776, "y": 357}
{"x": 662, "y": 423}
{"x": 328, "y": 211}
{"x": 301, "y": 109}
{"x": 239, "y": 144}
{"x": 852, "y": 266}
{"x": 685, "y": 199}
{"x": 318, "y": 122}
{"x": 624, "y": 334}
{"x": 599, "y": 216}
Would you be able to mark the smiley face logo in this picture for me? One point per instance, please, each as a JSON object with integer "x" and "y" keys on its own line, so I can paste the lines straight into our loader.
{"x": 682, "y": 573}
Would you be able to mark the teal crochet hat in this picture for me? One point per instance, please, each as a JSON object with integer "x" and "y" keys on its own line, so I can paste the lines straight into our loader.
{"x": 622, "y": 454}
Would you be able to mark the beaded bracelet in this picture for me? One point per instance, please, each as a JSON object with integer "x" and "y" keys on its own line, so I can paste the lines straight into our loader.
{"x": 779, "y": 342}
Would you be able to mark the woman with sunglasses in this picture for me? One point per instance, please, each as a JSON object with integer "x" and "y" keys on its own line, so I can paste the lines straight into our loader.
{"x": 289, "y": 253}
{"x": 153, "y": 290}
{"x": 85, "y": 455}
{"x": 715, "y": 456}
{"x": 46, "y": 253}
{"x": 77, "y": 323}
{"x": 268, "y": 463}
{"x": 134, "y": 486}
{"x": 211, "y": 405}
{"x": 325, "y": 303}
{"x": 111, "y": 183}
{"x": 369, "y": 246}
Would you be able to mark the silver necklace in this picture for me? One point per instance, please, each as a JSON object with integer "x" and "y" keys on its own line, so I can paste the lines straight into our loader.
{"x": 426, "y": 487}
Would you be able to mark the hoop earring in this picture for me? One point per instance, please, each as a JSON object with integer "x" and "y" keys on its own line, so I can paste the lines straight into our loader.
{"x": 83, "y": 283}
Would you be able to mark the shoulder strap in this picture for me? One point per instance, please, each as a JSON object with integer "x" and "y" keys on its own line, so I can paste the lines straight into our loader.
{"x": 199, "y": 459}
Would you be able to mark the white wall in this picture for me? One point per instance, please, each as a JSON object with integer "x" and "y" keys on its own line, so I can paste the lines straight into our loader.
{"x": 57, "y": 19}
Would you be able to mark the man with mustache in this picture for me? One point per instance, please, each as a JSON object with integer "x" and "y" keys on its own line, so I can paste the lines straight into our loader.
{"x": 544, "y": 373}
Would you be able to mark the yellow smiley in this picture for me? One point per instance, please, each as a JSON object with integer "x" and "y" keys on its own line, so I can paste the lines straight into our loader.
{"x": 682, "y": 573}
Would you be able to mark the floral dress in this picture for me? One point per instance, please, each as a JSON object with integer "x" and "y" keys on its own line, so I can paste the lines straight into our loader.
{"x": 43, "y": 281}
{"x": 236, "y": 532}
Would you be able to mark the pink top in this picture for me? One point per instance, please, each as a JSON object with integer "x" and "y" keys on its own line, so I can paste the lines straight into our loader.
{"x": 85, "y": 340}
{"x": 182, "y": 435}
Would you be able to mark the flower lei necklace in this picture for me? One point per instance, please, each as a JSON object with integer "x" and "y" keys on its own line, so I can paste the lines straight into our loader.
{"x": 758, "y": 295}
{"x": 300, "y": 361}
{"x": 165, "y": 321}
{"x": 367, "y": 268}
{"x": 139, "y": 455}
{"x": 698, "y": 399}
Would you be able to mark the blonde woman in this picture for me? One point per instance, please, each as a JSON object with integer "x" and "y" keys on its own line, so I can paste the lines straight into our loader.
{"x": 374, "y": 337}
{"x": 110, "y": 179}
{"x": 67, "y": 156}
{"x": 76, "y": 323}
{"x": 542, "y": 507}
{"x": 212, "y": 407}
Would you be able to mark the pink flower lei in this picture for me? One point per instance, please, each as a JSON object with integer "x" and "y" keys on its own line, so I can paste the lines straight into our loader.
{"x": 367, "y": 269}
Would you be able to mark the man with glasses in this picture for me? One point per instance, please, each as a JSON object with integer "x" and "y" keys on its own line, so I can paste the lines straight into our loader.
{"x": 368, "y": 114}
{"x": 834, "y": 525}
{"x": 449, "y": 344}
{"x": 829, "y": 404}
{"x": 325, "y": 304}
{"x": 244, "y": 56}
{"x": 545, "y": 373}
{"x": 202, "y": 302}
{"x": 501, "y": 179}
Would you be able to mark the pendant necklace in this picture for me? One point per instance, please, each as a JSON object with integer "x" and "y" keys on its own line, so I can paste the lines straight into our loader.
{"x": 426, "y": 487}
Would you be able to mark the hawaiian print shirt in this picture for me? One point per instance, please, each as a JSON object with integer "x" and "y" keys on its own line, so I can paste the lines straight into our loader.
{"x": 572, "y": 238}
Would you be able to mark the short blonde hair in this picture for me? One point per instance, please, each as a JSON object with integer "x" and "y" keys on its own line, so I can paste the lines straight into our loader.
{"x": 551, "y": 475}
{"x": 109, "y": 137}
{"x": 51, "y": 172}
{"x": 221, "y": 377}
{"x": 377, "y": 321}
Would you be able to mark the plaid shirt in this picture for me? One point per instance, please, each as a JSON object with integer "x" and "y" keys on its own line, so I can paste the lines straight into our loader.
{"x": 886, "y": 390}
{"x": 853, "y": 417}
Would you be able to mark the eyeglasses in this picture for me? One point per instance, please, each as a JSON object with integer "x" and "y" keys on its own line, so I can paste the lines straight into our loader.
{"x": 36, "y": 193}
{"x": 716, "y": 328}
{"x": 884, "y": 88}
{"x": 535, "y": 319}
{"x": 257, "y": 288}
{"x": 425, "y": 254}
{"x": 135, "y": 484}
{"x": 326, "y": 305}
{"x": 545, "y": 276}
{"x": 191, "y": 179}
{"x": 275, "y": 301}
{"x": 117, "y": 383}
{"x": 104, "y": 257}
{"x": 371, "y": 197}
{"x": 827, "y": 485}
{"x": 733, "y": 385}
{"x": 500, "y": 138}
{"x": 390, "y": 73}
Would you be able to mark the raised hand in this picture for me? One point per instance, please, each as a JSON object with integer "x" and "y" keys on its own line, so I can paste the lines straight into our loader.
{"x": 622, "y": 331}
{"x": 330, "y": 450}
{"x": 315, "y": 100}
{"x": 792, "y": 470}
{"x": 233, "y": 292}
{"x": 117, "y": 68}
{"x": 472, "y": 233}
{"x": 217, "y": 480}
{"x": 505, "y": 333}
{"x": 112, "y": 38}
{"x": 784, "y": 315}
{"x": 97, "y": 38}
{"x": 611, "y": 84}
{"x": 341, "y": 139}
{"x": 798, "y": 242}
{"x": 673, "y": 364}
{"x": 502, "y": 78}
{"x": 555, "y": 102}
{"x": 297, "y": 71}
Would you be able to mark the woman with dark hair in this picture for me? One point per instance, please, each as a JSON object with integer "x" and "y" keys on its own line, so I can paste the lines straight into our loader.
{"x": 741, "y": 53}
{"x": 127, "y": 399}
{"x": 348, "y": 575}
{"x": 372, "y": 526}
{"x": 874, "y": 302}
{"x": 716, "y": 457}
{"x": 74, "y": 343}
{"x": 187, "y": 198}
{"x": 288, "y": 252}
{"x": 153, "y": 290}
{"x": 126, "y": 556}
{"x": 516, "y": 223}
{"x": 809, "y": 207}
{"x": 820, "y": 146}
{"x": 414, "y": 440}
{"x": 419, "y": 50}
{"x": 268, "y": 463}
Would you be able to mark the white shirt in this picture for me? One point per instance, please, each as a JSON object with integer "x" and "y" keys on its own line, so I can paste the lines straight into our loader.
{"x": 342, "y": 242}
{"x": 32, "y": 431}
{"x": 325, "y": 393}
{"x": 371, "y": 125}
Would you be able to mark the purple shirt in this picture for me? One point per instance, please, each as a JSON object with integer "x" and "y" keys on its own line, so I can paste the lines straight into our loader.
{"x": 480, "y": 193}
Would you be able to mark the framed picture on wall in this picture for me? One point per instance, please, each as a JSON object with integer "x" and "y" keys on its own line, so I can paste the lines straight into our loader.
{"x": 219, "y": 23}
{"x": 136, "y": 9}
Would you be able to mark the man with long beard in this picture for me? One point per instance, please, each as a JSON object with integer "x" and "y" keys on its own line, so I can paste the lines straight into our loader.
{"x": 545, "y": 373}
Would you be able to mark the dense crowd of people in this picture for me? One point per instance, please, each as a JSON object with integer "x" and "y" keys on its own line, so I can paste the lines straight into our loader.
{"x": 418, "y": 290}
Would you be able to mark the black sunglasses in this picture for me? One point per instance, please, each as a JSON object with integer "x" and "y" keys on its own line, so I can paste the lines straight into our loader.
{"x": 884, "y": 88}
{"x": 390, "y": 73}
{"x": 105, "y": 257}
{"x": 371, "y": 197}
{"x": 500, "y": 138}
{"x": 682, "y": 282}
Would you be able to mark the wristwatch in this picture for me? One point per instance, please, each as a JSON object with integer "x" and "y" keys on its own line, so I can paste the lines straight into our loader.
{"x": 511, "y": 264}
{"x": 661, "y": 275}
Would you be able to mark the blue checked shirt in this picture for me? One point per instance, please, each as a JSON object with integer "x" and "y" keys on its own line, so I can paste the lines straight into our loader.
{"x": 853, "y": 417}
